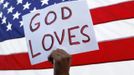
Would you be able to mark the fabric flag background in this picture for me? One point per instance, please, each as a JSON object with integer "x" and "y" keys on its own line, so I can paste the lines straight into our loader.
{"x": 113, "y": 23}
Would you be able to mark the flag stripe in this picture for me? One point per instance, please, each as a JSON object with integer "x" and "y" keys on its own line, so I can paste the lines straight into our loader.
{"x": 100, "y": 3}
{"x": 109, "y": 51}
{"x": 120, "y": 11}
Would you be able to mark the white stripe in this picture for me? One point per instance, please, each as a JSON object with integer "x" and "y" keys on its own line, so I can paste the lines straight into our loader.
{"x": 107, "y": 31}
{"x": 118, "y": 68}
{"x": 100, "y": 3}
{"x": 115, "y": 30}
{"x": 13, "y": 46}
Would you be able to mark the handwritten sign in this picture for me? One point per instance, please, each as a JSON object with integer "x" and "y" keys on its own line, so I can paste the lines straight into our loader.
{"x": 65, "y": 25}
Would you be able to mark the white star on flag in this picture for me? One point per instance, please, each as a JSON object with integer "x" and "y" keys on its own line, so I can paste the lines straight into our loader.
{"x": 44, "y": 2}
{"x": 10, "y": 10}
{"x": 21, "y": 23}
{"x": 4, "y": 20}
{"x": 16, "y": 15}
{"x": 9, "y": 27}
{"x": 5, "y": 5}
{"x": 19, "y": 1}
{"x": 26, "y": 6}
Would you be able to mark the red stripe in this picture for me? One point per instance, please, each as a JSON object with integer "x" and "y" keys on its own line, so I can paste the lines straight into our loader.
{"x": 119, "y": 11}
{"x": 116, "y": 50}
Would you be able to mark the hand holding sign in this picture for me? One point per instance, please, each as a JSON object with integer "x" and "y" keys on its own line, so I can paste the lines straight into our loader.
{"x": 59, "y": 26}
{"x": 61, "y": 61}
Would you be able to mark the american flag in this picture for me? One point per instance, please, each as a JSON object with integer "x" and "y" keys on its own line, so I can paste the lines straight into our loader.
{"x": 11, "y": 12}
{"x": 113, "y": 24}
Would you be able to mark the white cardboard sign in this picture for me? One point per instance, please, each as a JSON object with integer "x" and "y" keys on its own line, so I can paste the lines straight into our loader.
{"x": 66, "y": 25}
